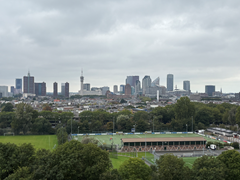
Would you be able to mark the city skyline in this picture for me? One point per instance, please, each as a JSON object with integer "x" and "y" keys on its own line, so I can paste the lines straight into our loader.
{"x": 196, "y": 41}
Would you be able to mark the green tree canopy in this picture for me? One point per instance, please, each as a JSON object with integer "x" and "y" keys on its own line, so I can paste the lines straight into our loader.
{"x": 184, "y": 108}
{"x": 8, "y": 107}
{"x": 171, "y": 167}
{"x": 208, "y": 168}
{"x": 135, "y": 169}
{"x": 231, "y": 159}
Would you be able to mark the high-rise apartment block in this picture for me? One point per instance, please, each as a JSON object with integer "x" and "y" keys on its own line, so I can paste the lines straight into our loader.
{"x": 18, "y": 84}
{"x": 66, "y": 90}
{"x": 122, "y": 89}
{"x": 86, "y": 86}
{"x": 137, "y": 87}
{"x": 132, "y": 80}
{"x": 146, "y": 82}
{"x": 28, "y": 84}
{"x": 104, "y": 90}
{"x": 170, "y": 81}
{"x": 55, "y": 89}
{"x": 40, "y": 89}
{"x": 63, "y": 89}
{"x": 115, "y": 88}
{"x": 128, "y": 90}
{"x": 12, "y": 89}
{"x": 186, "y": 85}
{"x": 4, "y": 91}
{"x": 209, "y": 89}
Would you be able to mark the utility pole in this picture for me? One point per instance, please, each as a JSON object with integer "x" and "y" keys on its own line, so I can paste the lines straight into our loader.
{"x": 71, "y": 126}
{"x": 192, "y": 124}
{"x": 186, "y": 129}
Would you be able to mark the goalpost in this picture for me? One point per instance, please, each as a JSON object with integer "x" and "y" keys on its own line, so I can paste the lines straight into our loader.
{"x": 9, "y": 133}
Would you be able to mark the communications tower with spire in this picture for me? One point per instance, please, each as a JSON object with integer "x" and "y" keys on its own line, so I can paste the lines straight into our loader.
{"x": 81, "y": 80}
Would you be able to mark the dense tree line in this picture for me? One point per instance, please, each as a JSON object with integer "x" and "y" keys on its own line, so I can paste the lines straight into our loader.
{"x": 75, "y": 160}
{"x": 26, "y": 120}
{"x": 171, "y": 117}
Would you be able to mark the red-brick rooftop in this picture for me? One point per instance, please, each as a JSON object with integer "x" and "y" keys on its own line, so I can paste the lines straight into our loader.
{"x": 170, "y": 139}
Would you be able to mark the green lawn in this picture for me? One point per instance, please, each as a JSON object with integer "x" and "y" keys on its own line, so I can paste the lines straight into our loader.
{"x": 38, "y": 141}
{"x": 117, "y": 162}
{"x": 189, "y": 161}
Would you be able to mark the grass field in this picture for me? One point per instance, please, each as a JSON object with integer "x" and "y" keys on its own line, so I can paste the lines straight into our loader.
{"x": 38, "y": 141}
{"x": 189, "y": 161}
{"x": 117, "y": 162}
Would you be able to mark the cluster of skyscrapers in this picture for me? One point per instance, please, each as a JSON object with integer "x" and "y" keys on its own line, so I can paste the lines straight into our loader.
{"x": 28, "y": 87}
{"x": 133, "y": 86}
{"x": 149, "y": 88}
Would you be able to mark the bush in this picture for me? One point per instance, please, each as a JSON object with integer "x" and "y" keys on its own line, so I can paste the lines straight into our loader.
{"x": 235, "y": 145}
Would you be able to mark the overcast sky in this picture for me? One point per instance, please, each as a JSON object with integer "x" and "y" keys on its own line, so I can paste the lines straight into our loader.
{"x": 111, "y": 39}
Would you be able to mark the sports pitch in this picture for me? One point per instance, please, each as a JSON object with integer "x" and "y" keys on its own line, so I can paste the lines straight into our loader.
{"x": 38, "y": 141}
{"x": 106, "y": 139}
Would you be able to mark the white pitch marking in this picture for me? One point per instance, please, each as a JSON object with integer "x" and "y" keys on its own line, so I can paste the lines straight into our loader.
{"x": 139, "y": 136}
{"x": 99, "y": 141}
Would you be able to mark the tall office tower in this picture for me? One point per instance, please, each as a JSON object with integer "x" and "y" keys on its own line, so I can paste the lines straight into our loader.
{"x": 146, "y": 82}
{"x": 18, "y": 84}
{"x": 66, "y": 90}
{"x": 104, "y": 90}
{"x": 55, "y": 89}
{"x": 186, "y": 85}
{"x": 122, "y": 89}
{"x": 81, "y": 81}
{"x": 115, "y": 88}
{"x": 137, "y": 87}
{"x": 209, "y": 89}
{"x": 12, "y": 89}
{"x": 28, "y": 84}
{"x": 132, "y": 80}
{"x": 63, "y": 89}
{"x": 4, "y": 91}
{"x": 128, "y": 90}
{"x": 132, "y": 90}
{"x": 86, "y": 86}
{"x": 170, "y": 82}
{"x": 40, "y": 89}
{"x": 155, "y": 82}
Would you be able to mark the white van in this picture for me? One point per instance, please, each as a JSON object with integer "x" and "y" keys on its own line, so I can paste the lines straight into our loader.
{"x": 213, "y": 146}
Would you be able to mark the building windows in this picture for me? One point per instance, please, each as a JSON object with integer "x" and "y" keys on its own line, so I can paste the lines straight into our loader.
{"x": 132, "y": 144}
{"x": 186, "y": 142}
{"x": 137, "y": 143}
{"x": 125, "y": 144}
{"x": 192, "y": 142}
{"x": 170, "y": 143}
{"x": 182, "y": 143}
{"x": 148, "y": 143}
{"x": 165, "y": 143}
{"x": 154, "y": 143}
{"x": 176, "y": 143}
{"x": 160, "y": 143}
{"x": 142, "y": 143}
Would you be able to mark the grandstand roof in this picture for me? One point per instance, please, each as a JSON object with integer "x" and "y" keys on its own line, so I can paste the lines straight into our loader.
{"x": 163, "y": 139}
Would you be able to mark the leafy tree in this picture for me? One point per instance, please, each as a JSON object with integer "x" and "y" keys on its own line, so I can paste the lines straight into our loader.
{"x": 7, "y": 107}
{"x": 41, "y": 126}
{"x": 72, "y": 160}
{"x": 142, "y": 126}
{"x": 62, "y": 135}
{"x": 22, "y": 173}
{"x": 122, "y": 122}
{"x": 111, "y": 175}
{"x": 208, "y": 168}
{"x": 238, "y": 116}
{"x": 171, "y": 167}
{"x": 6, "y": 118}
{"x": 46, "y": 107}
{"x": 23, "y": 120}
{"x": 235, "y": 145}
{"x": 135, "y": 168}
{"x": 72, "y": 124}
{"x": 231, "y": 159}
{"x": 13, "y": 156}
{"x": 184, "y": 108}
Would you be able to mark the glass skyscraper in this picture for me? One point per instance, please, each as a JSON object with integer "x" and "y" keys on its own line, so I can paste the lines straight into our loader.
{"x": 170, "y": 82}
{"x": 18, "y": 84}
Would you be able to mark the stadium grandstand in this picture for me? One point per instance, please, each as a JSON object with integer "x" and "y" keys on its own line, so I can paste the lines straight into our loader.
{"x": 163, "y": 144}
